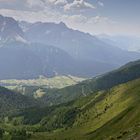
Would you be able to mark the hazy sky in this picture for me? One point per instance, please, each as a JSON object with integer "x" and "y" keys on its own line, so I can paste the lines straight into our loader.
{"x": 93, "y": 16}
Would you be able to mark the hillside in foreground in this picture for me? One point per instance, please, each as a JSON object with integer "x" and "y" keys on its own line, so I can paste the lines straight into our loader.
{"x": 110, "y": 115}
{"x": 105, "y": 115}
{"x": 109, "y": 111}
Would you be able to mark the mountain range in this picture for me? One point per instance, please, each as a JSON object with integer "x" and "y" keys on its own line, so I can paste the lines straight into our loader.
{"x": 28, "y": 50}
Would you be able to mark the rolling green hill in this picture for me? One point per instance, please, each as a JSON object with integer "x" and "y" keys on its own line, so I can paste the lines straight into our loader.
{"x": 107, "y": 108}
{"x": 104, "y": 115}
{"x": 124, "y": 74}
{"x": 108, "y": 115}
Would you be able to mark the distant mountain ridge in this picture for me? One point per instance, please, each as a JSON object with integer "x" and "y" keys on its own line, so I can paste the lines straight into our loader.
{"x": 78, "y": 44}
{"x": 29, "y": 50}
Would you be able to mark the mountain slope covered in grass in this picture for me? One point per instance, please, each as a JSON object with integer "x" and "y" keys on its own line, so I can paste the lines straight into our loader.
{"x": 107, "y": 112}
{"x": 111, "y": 114}
{"x": 124, "y": 74}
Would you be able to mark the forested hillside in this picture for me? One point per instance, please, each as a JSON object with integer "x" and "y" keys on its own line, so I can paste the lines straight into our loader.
{"x": 11, "y": 101}
{"x": 95, "y": 117}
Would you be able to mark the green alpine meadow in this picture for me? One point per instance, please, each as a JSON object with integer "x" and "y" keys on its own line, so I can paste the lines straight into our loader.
{"x": 69, "y": 70}
{"x": 106, "y": 111}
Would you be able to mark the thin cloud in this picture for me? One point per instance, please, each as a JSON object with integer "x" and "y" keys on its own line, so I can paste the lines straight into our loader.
{"x": 77, "y": 15}
{"x": 60, "y": 2}
{"x": 78, "y": 5}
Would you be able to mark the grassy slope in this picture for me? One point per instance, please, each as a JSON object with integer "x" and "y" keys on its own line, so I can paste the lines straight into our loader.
{"x": 110, "y": 114}
{"x": 129, "y": 72}
{"x": 95, "y": 116}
